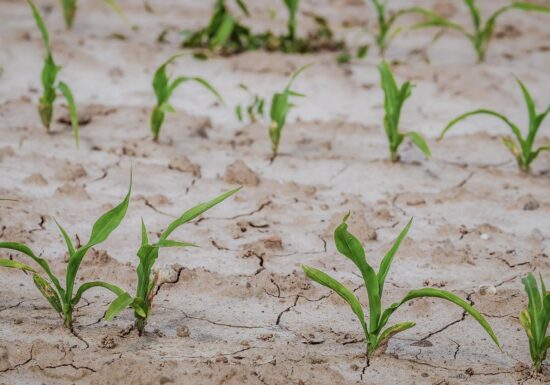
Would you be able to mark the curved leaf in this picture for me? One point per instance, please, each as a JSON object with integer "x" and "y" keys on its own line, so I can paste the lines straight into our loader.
{"x": 48, "y": 292}
{"x": 67, "y": 93}
{"x": 121, "y": 303}
{"x": 101, "y": 230}
{"x": 393, "y": 330}
{"x": 201, "y": 81}
{"x": 348, "y": 245}
{"x": 512, "y": 126}
{"x": 173, "y": 243}
{"x": 89, "y": 285}
{"x": 388, "y": 258}
{"x": 67, "y": 239}
{"x": 40, "y": 261}
{"x": 327, "y": 281}
{"x": 41, "y": 25}
{"x": 16, "y": 265}
{"x": 438, "y": 293}
{"x": 419, "y": 142}
{"x": 195, "y": 212}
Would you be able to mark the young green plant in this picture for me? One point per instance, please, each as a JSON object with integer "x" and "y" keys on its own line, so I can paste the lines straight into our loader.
{"x": 394, "y": 98}
{"x": 523, "y": 148}
{"x": 386, "y": 20}
{"x": 254, "y": 109}
{"x": 63, "y": 298}
{"x": 164, "y": 87}
{"x": 535, "y": 320}
{"x": 70, "y": 6}
{"x": 223, "y": 31}
{"x": 376, "y": 332}
{"x": 225, "y": 35}
{"x": 280, "y": 107}
{"x": 49, "y": 81}
{"x": 483, "y": 32}
{"x": 148, "y": 254}
{"x": 292, "y": 7}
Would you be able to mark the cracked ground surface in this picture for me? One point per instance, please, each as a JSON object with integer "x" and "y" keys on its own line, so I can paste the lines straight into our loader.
{"x": 239, "y": 310}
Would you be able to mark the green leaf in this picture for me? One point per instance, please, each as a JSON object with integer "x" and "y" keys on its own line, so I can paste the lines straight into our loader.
{"x": 239, "y": 113}
{"x": 69, "y": 11}
{"x": 41, "y": 26}
{"x": 109, "y": 221}
{"x": 144, "y": 238}
{"x": 67, "y": 239}
{"x": 90, "y": 285}
{"x": 223, "y": 32}
{"x": 528, "y": 101}
{"x": 419, "y": 142}
{"x": 139, "y": 307}
{"x": 530, "y": 7}
{"x": 535, "y": 305}
{"x": 243, "y": 7}
{"x": 363, "y": 51}
{"x": 48, "y": 292}
{"x": 474, "y": 12}
{"x": 327, "y": 281}
{"x": 121, "y": 303}
{"x": 171, "y": 243}
{"x": 513, "y": 127}
{"x": 393, "y": 330}
{"x": 200, "y": 81}
{"x": 525, "y": 321}
{"x": 40, "y": 261}
{"x": 101, "y": 230}
{"x": 191, "y": 214}
{"x": 438, "y": 293}
{"x": 118, "y": 10}
{"x": 388, "y": 258}
{"x": 16, "y": 265}
{"x": 348, "y": 245}
{"x": 296, "y": 74}
{"x": 66, "y": 91}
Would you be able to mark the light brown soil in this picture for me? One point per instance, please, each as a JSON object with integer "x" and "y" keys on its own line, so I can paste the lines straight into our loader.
{"x": 239, "y": 310}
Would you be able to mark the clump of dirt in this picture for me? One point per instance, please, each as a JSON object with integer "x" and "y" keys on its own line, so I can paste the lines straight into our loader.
{"x": 183, "y": 164}
{"x": 70, "y": 172}
{"x": 239, "y": 173}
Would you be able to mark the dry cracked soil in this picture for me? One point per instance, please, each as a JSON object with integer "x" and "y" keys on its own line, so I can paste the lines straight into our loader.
{"x": 238, "y": 310}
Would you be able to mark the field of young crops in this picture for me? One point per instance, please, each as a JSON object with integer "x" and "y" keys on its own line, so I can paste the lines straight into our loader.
{"x": 274, "y": 192}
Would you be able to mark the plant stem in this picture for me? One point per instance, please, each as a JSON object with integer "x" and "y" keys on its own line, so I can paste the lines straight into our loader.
{"x": 394, "y": 156}
{"x": 68, "y": 319}
{"x": 140, "y": 325}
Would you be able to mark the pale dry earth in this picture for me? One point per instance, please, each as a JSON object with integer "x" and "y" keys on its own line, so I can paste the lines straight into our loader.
{"x": 239, "y": 310}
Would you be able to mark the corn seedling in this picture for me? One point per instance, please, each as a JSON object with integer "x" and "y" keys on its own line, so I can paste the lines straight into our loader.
{"x": 70, "y": 7}
{"x": 64, "y": 299}
{"x": 523, "y": 147}
{"x": 280, "y": 106}
{"x": 483, "y": 32}
{"x": 386, "y": 21}
{"x": 292, "y": 7}
{"x": 347, "y": 56}
{"x": 376, "y": 336}
{"x": 226, "y": 35}
{"x": 223, "y": 31}
{"x": 49, "y": 81}
{"x": 535, "y": 320}
{"x": 164, "y": 88}
{"x": 394, "y": 98}
{"x": 148, "y": 254}
{"x": 320, "y": 39}
{"x": 254, "y": 109}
